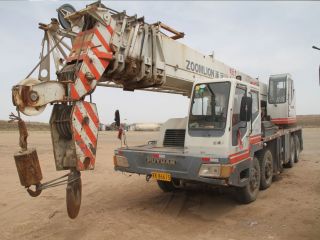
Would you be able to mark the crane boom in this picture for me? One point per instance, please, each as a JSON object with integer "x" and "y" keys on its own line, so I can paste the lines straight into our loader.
{"x": 147, "y": 57}
{"x": 115, "y": 50}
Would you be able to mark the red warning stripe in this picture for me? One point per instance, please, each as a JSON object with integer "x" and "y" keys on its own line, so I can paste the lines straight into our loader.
{"x": 83, "y": 45}
{"x": 91, "y": 67}
{"x": 104, "y": 63}
{"x": 102, "y": 40}
{"x": 86, "y": 127}
{"x": 79, "y": 141}
{"x": 91, "y": 113}
{"x": 83, "y": 41}
{"x": 84, "y": 81}
{"x": 103, "y": 57}
{"x": 109, "y": 28}
{"x": 73, "y": 92}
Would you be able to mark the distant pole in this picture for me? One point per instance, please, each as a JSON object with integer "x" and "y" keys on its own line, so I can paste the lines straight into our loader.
{"x": 314, "y": 47}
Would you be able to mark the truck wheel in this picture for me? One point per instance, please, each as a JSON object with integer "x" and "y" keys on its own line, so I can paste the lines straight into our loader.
{"x": 266, "y": 166}
{"x": 298, "y": 149}
{"x": 250, "y": 192}
{"x": 166, "y": 186}
{"x": 292, "y": 153}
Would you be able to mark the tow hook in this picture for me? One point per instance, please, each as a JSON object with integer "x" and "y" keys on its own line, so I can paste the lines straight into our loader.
{"x": 148, "y": 177}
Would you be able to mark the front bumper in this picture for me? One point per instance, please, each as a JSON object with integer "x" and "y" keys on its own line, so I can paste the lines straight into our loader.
{"x": 181, "y": 166}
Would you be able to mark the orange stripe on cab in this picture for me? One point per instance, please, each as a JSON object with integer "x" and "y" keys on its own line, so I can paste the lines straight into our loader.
{"x": 239, "y": 156}
{"x": 255, "y": 139}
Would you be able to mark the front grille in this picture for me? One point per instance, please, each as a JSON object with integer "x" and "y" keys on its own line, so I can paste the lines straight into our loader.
{"x": 174, "y": 138}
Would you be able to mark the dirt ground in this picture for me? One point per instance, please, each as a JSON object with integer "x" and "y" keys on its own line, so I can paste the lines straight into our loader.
{"x": 119, "y": 206}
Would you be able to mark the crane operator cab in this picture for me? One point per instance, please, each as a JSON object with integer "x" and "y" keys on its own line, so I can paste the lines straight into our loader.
{"x": 281, "y": 100}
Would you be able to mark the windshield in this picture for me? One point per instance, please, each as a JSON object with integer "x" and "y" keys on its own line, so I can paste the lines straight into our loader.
{"x": 210, "y": 106}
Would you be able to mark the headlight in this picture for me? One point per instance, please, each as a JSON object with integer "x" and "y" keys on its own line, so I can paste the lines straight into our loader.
{"x": 120, "y": 161}
{"x": 215, "y": 170}
{"x": 209, "y": 170}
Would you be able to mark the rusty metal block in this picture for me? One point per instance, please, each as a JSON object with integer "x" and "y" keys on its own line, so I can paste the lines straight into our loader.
{"x": 28, "y": 167}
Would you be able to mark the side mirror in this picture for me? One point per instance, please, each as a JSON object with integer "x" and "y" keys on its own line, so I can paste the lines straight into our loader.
{"x": 245, "y": 109}
{"x": 117, "y": 118}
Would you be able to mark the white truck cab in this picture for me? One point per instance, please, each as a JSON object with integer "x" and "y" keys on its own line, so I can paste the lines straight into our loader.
{"x": 213, "y": 126}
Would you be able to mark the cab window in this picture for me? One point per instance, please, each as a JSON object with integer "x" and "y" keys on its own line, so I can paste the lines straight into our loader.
{"x": 277, "y": 91}
{"x": 255, "y": 105}
{"x": 209, "y": 106}
{"x": 236, "y": 123}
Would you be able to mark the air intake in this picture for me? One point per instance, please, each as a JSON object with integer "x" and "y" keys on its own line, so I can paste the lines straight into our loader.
{"x": 174, "y": 138}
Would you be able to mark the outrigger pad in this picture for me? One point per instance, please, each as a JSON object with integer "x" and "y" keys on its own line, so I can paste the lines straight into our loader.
{"x": 74, "y": 131}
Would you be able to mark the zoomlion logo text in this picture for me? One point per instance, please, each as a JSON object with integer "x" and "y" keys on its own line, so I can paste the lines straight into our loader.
{"x": 198, "y": 68}
{"x": 161, "y": 161}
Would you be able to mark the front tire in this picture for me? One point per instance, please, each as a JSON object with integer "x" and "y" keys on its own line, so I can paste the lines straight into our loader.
{"x": 266, "y": 166}
{"x": 250, "y": 192}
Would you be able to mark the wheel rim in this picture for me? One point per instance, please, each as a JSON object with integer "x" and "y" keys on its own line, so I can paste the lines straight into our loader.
{"x": 268, "y": 168}
{"x": 254, "y": 179}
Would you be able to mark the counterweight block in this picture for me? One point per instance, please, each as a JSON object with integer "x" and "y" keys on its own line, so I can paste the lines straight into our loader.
{"x": 28, "y": 167}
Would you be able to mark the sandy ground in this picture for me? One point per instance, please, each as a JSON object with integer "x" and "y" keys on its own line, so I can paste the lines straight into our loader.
{"x": 119, "y": 206}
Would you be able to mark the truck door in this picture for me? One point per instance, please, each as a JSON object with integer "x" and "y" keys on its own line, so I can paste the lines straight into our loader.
{"x": 256, "y": 117}
{"x": 291, "y": 99}
{"x": 239, "y": 128}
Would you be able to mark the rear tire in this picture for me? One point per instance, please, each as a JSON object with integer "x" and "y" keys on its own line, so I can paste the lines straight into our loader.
{"x": 250, "y": 192}
{"x": 297, "y": 148}
{"x": 292, "y": 153}
{"x": 166, "y": 186}
{"x": 266, "y": 166}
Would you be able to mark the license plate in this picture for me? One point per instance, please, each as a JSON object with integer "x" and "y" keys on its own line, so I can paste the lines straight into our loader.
{"x": 161, "y": 176}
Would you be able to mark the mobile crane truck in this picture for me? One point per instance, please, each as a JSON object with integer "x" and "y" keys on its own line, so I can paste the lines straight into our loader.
{"x": 239, "y": 132}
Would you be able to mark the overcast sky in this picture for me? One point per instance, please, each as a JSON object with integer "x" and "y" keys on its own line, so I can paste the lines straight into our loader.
{"x": 258, "y": 38}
